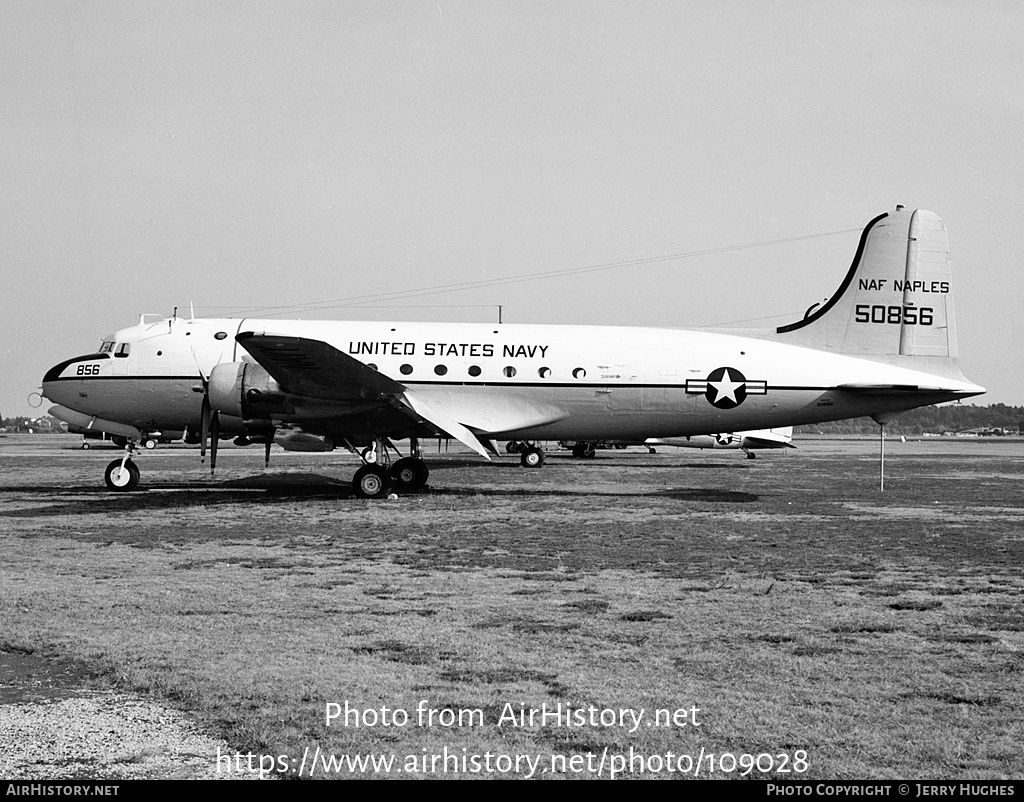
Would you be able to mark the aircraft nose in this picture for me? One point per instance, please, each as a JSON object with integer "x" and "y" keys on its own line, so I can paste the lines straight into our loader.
{"x": 51, "y": 387}
{"x": 56, "y": 385}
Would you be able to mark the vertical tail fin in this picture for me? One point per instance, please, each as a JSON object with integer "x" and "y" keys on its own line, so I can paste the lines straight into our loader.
{"x": 895, "y": 304}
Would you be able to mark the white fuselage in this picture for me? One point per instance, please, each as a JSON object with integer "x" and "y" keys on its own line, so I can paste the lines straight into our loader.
{"x": 522, "y": 381}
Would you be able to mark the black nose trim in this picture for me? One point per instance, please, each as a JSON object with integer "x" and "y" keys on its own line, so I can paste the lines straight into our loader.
{"x": 53, "y": 374}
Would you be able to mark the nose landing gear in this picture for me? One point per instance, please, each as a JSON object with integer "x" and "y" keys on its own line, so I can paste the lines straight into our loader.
{"x": 122, "y": 474}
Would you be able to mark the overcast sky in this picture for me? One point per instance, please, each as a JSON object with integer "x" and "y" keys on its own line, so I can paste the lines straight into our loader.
{"x": 257, "y": 158}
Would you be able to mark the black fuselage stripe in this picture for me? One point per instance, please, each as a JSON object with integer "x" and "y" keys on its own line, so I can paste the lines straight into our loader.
{"x": 532, "y": 385}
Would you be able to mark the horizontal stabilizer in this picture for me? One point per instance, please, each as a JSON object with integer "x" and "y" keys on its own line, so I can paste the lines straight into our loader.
{"x": 889, "y": 389}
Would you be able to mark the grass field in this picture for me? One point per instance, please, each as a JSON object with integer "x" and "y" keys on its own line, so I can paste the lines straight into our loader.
{"x": 780, "y": 608}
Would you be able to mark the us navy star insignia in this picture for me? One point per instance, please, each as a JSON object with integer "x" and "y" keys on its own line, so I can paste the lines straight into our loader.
{"x": 726, "y": 388}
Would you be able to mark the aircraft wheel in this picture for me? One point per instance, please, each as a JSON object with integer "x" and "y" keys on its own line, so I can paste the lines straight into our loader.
{"x": 584, "y": 450}
{"x": 369, "y": 455}
{"x": 751, "y": 455}
{"x": 511, "y": 447}
{"x": 532, "y": 458}
{"x": 371, "y": 481}
{"x": 121, "y": 480}
{"x": 86, "y": 446}
{"x": 409, "y": 473}
{"x": 149, "y": 444}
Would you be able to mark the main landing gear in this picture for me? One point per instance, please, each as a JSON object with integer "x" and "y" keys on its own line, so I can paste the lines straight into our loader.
{"x": 377, "y": 477}
{"x": 584, "y": 450}
{"x": 530, "y": 456}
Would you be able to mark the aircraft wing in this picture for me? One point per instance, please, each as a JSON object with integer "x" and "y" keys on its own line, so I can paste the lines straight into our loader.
{"x": 315, "y": 369}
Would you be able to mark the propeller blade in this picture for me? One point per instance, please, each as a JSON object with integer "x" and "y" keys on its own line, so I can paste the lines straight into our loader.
{"x": 214, "y": 439}
{"x": 204, "y": 428}
{"x": 266, "y": 458}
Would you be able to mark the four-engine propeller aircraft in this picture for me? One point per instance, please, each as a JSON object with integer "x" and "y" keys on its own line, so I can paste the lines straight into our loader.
{"x": 884, "y": 343}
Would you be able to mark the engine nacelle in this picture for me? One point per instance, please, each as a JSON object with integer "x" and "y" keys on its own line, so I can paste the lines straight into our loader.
{"x": 245, "y": 390}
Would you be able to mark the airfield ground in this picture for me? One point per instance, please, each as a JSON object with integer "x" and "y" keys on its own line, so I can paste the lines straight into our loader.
{"x": 793, "y": 621}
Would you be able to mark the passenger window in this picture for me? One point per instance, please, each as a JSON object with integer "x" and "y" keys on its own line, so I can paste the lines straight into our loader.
{"x": 440, "y": 370}
{"x": 544, "y": 373}
{"x": 474, "y": 370}
{"x": 509, "y": 371}
{"x": 579, "y": 373}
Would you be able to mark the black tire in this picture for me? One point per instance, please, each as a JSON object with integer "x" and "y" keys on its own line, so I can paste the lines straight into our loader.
{"x": 531, "y": 457}
{"x": 121, "y": 481}
{"x": 409, "y": 473}
{"x": 371, "y": 481}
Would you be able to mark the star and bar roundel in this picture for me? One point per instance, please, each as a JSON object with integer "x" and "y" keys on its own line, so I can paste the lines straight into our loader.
{"x": 726, "y": 388}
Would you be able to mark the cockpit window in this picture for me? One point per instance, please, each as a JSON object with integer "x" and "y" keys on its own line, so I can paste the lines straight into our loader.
{"x": 107, "y": 347}
{"x": 123, "y": 349}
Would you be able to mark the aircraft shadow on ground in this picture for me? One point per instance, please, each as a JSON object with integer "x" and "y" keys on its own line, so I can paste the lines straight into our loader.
{"x": 267, "y": 490}
{"x": 561, "y": 462}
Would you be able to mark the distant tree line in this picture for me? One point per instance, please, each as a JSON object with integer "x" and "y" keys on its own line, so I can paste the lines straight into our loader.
{"x": 41, "y": 425}
{"x": 935, "y": 420}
